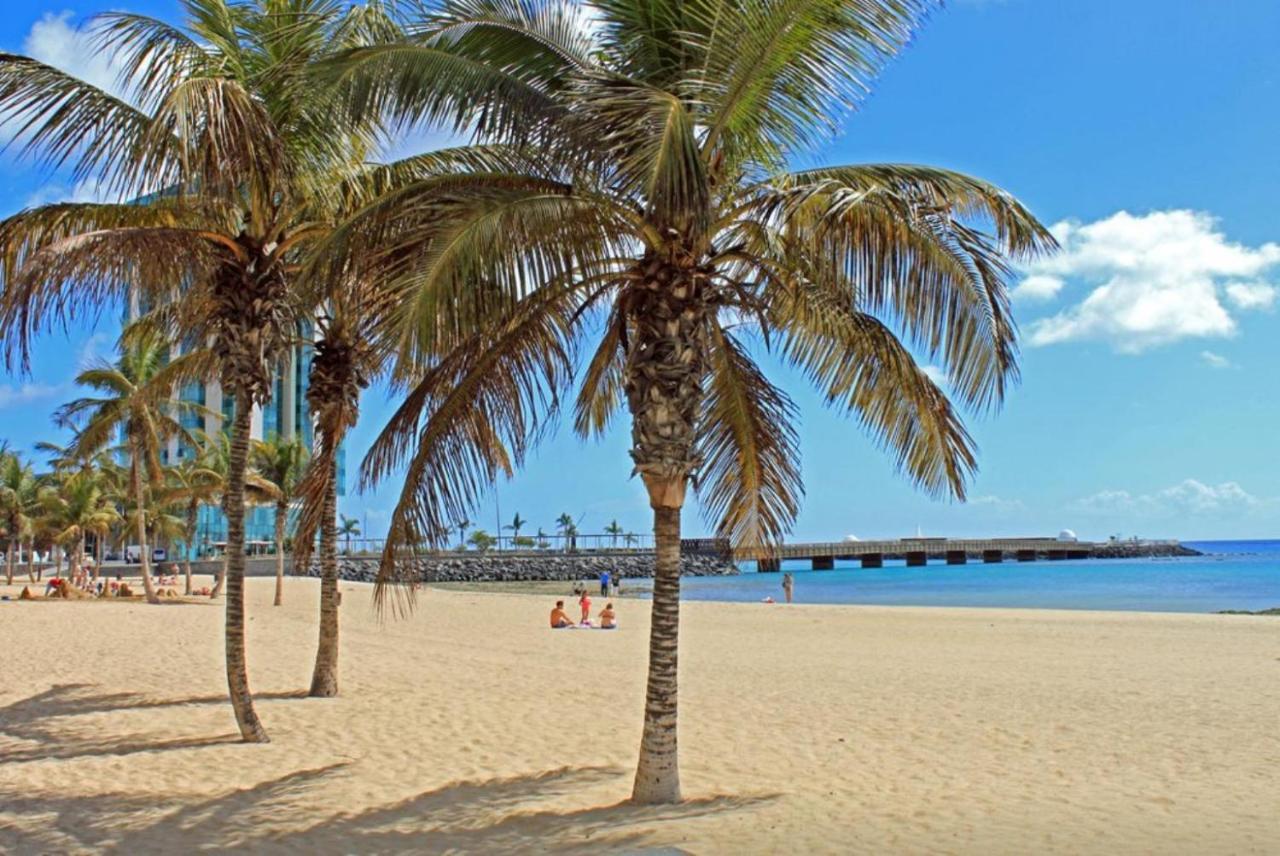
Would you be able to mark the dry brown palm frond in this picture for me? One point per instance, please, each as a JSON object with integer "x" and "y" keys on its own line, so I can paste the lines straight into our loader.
{"x": 862, "y": 368}
{"x": 749, "y": 483}
{"x": 467, "y": 420}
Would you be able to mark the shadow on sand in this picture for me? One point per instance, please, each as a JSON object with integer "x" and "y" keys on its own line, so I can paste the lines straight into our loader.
{"x": 35, "y": 720}
{"x": 464, "y": 817}
{"x": 300, "y": 810}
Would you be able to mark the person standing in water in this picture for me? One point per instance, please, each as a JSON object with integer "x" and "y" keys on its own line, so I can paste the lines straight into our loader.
{"x": 788, "y": 583}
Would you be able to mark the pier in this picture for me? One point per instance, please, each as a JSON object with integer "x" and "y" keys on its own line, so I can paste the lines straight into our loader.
{"x": 917, "y": 552}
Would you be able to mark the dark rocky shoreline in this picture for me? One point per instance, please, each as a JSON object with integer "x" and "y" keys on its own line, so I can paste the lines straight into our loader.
{"x": 497, "y": 567}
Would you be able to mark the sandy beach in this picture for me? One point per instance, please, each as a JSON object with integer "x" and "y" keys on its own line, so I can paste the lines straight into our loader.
{"x": 469, "y": 727}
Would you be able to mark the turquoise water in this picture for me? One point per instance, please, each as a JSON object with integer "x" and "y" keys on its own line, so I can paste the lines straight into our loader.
{"x": 1231, "y": 575}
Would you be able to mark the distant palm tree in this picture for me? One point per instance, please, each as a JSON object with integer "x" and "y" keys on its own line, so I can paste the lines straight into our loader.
{"x": 613, "y": 530}
{"x": 17, "y": 505}
{"x": 630, "y": 539}
{"x": 76, "y": 506}
{"x": 516, "y": 524}
{"x": 281, "y": 464}
{"x": 192, "y": 483}
{"x": 663, "y": 195}
{"x": 138, "y": 401}
{"x": 461, "y": 526}
{"x": 348, "y": 527}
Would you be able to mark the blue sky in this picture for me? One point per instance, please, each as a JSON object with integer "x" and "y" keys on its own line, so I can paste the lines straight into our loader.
{"x": 1144, "y": 131}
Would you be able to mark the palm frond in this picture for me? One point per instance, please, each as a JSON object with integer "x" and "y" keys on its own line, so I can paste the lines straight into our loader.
{"x": 749, "y": 483}
{"x": 861, "y": 368}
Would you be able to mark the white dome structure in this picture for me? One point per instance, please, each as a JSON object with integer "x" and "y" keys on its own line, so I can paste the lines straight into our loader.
{"x": 851, "y": 539}
{"x": 1067, "y": 535}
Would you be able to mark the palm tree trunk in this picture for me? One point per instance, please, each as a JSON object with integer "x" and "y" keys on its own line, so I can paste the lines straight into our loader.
{"x": 191, "y": 535}
{"x": 281, "y": 512}
{"x": 8, "y": 566}
{"x": 135, "y": 474}
{"x": 233, "y": 506}
{"x": 665, "y": 364}
{"x": 324, "y": 678}
{"x": 658, "y": 772}
{"x": 31, "y": 560}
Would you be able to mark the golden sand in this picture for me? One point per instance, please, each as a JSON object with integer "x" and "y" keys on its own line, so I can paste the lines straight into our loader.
{"x": 471, "y": 728}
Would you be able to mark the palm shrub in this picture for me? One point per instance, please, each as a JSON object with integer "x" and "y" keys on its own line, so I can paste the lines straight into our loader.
{"x": 637, "y": 169}
{"x": 136, "y": 400}
{"x": 75, "y": 506}
{"x": 17, "y": 506}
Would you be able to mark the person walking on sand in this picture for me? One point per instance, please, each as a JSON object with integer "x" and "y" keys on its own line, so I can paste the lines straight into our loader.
{"x": 788, "y": 583}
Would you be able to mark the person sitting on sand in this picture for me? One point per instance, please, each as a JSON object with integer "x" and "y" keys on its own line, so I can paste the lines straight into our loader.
{"x": 585, "y": 603}
{"x": 559, "y": 618}
{"x": 53, "y": 585}
{"x": 608, "y": 620}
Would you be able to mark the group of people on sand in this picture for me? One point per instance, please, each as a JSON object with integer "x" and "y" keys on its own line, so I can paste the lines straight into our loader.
{"x": 560, "y": 620}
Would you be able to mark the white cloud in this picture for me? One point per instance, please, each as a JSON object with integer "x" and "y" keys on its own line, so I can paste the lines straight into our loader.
{"x": 55, "y": 41}
{"x": 1216, "y": 361}
{"x": 1038, "y": 287}
{"x": 935, "y": 374}
{"x": 1251, "y": 295}
{"x": 996, "y": 502}
{"x": 16, "y": 396}
{"x": 1154, "y": 278}
{"x": 1188, "y": 496}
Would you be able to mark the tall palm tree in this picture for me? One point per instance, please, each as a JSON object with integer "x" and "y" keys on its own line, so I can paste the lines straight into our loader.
{"x": 137, "y": 401}
{"x": 17, "y": 505}
{"x": 660, "y": 196}
{"x": 348, "y": 354}
{"x": 281, "y": 463}
{"x": 228, "y": 144}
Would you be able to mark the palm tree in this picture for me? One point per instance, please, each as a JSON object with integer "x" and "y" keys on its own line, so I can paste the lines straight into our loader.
{"x": 567, "y": 528}
{"x": 137, "y": 401}
{"x": 17, "y": 505}
{"x": 228, "y": 144}
{"x": 516, "y": 524}
{"x": 192, "y": 483}
{"x": 280, "y": 463}
{"x": 75, "y": 507}
{"x": 348, "y": 528}
{"x": 660, "y": 195}
{"x": 461, "y": 526}
{"x": 613, "y": 530}
{"x": 630, "y": 539}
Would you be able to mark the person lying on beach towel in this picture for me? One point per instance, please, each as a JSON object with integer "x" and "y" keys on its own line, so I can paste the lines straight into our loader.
{"x": 559, "y": 618}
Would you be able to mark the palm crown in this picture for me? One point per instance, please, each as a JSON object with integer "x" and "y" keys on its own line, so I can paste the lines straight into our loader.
{"x": 639, "y": 165}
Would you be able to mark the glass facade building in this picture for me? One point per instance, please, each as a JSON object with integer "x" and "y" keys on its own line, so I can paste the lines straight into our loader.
{"x": 287, "y": 414}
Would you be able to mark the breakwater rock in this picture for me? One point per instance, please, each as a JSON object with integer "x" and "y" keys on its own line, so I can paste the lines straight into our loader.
{"x": 1140, "y": 550}
{"x": 497, "y": 567}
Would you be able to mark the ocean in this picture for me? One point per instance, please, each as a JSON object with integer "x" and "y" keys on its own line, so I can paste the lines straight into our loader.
{"x": 1242, "y": 575}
